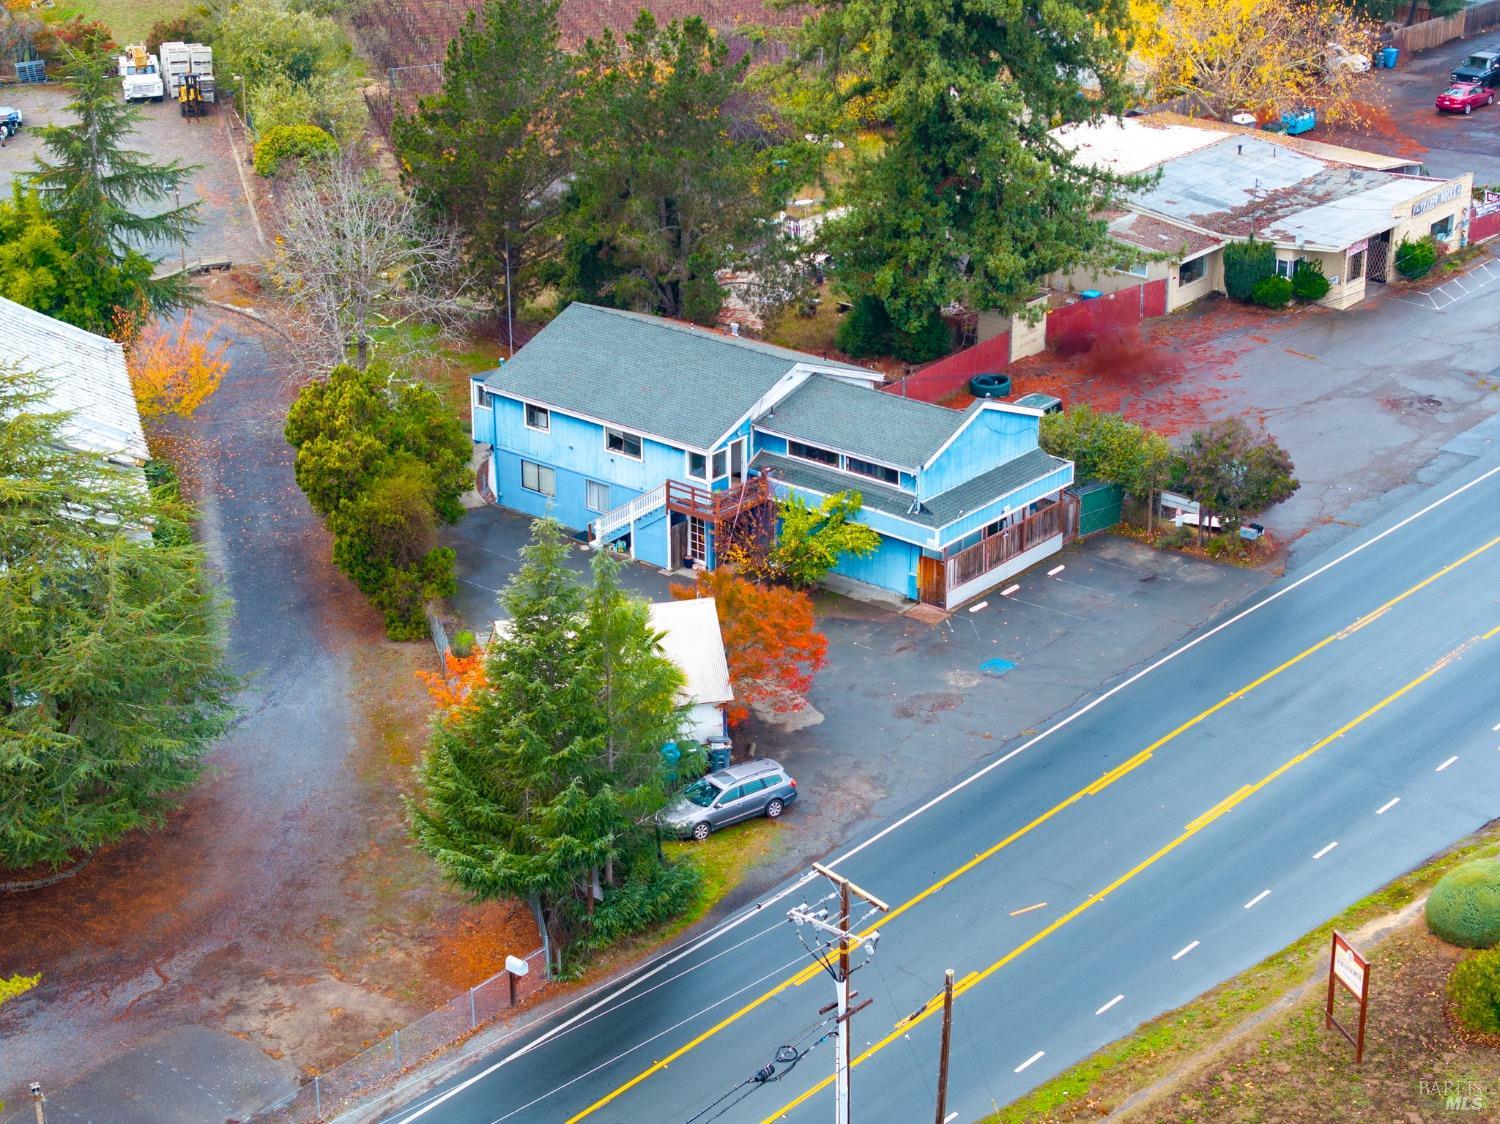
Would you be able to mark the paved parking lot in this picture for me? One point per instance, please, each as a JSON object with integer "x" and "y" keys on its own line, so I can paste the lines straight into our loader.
{"x": 228, "y": 229}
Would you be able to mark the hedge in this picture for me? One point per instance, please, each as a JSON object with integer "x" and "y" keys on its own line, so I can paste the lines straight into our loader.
{"x": 1272, "y": 292}
{"x": 1464, "y": 907}
{"x": 1308, "y": 282}
{"x": 283, "y": 144}
{"x": 1474, "y": 988}
{"x": 1416, "y": 259}
{"x": 1245, "y": 265}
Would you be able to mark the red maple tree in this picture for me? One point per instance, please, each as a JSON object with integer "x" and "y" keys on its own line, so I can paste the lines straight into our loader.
{"x": 770, "y": 640}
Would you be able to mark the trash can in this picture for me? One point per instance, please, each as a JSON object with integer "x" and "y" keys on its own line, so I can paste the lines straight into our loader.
{"x": 718, "y": 754}
{"x": 671, "y": 756}
{"x": 1388, "y": 57}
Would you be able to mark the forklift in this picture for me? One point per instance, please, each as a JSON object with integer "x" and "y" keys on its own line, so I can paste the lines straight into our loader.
{"x": 190, "y": 97}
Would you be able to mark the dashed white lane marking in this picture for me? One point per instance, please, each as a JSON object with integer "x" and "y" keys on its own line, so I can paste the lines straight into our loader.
{"x": 1260, "y": 897}
{"x": 1052, "y": 573}
{"x": 1108, "y": 1005}
{"x": 1388, "y": 805}
{"x": 1495, "y": 728}
{"x": 1326, "y": 849}
{"x": 1008, "y": 590}
{"x": 976, "y": 608}
{"x": 1034, "y": 1057}
{"x": 1446, "y": 763}
{"x": 1180, "y": 953}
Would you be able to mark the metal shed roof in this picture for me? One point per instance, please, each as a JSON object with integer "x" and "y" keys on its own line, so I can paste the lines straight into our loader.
{"x": 85, "y": 375}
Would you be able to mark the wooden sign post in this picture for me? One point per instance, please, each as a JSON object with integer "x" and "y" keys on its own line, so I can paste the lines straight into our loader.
{"x": 1349, "y": 968}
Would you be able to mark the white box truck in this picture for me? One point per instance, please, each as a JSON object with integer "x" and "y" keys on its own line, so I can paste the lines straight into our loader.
{"x": 140, "y": 76}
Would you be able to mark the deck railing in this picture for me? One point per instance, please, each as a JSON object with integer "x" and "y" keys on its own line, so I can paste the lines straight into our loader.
{"x": 626, "y": 513}
{"x": 1060, "y": 518}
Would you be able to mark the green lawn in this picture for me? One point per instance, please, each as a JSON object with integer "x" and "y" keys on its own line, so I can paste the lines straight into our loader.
{"x": 129, "y": 20}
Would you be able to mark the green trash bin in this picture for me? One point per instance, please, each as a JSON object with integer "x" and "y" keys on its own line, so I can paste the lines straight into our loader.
{"x": 718, "y": 754}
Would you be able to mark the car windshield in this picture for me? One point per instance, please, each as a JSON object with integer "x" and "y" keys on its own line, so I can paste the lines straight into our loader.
{"x": 1478, "y": 62}
{"x": 701, "y": 793}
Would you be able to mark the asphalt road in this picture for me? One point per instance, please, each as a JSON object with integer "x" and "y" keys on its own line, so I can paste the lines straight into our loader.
{"x": 1165, "y": 835}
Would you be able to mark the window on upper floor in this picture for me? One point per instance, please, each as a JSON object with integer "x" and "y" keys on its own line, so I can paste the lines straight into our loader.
{"x": 812, "y": 453}
{"x": 622, "y": 442}
{"x": 697, "y": 466}
{"x": 538, "y": 478}
{"x": 597, "y": 496}
{"x": 538, "y": 417}
{"x": 721, "y": 464}
{"x": 873, "y": 471}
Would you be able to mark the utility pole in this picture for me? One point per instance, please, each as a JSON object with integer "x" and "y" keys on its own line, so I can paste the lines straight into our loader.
{"x": 847, "y": 942}
{"x": 942, "y": 1089}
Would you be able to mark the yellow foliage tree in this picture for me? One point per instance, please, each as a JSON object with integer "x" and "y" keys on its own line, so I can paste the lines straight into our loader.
{"x": 173, "y": 371}
{"x": 1257, "y": 56}
{"x": 13, "y": 986}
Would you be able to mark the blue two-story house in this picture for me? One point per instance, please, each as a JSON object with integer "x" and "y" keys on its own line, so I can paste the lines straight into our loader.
{"x": 654, "y": 436}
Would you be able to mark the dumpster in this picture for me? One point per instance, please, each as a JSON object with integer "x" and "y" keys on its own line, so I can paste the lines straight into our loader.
{"x": 1299, "y": 120}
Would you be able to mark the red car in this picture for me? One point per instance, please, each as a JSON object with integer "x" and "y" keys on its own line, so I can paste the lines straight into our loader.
{"x": 1462, "y": 97}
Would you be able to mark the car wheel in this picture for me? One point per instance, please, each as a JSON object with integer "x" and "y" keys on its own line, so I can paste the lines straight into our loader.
{"x": 700, "y": 831}
{"x": 774, "y": 809}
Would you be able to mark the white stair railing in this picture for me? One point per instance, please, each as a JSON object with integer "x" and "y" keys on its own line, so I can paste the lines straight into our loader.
{"x": 622, "y": 516}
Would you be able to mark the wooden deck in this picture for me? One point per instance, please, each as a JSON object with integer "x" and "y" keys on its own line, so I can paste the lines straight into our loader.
{"x": 712, "y": 507}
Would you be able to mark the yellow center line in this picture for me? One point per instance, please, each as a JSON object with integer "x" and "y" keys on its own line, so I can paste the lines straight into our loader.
{"x": 1092, "y": 789}
{"x": 1197, "y": 825}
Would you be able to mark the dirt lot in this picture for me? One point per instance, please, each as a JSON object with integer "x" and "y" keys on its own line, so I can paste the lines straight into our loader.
{"x": 228, "y": 229}
{"x": 1416, "y": 1057}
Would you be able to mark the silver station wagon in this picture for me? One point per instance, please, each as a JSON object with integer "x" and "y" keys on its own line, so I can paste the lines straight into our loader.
{"x": 752, "y": 788}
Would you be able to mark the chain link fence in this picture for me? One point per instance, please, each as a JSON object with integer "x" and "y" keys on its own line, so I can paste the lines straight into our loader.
{"x": 327, "y": 1093}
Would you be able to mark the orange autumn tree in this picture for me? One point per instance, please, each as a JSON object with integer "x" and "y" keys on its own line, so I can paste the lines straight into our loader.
{"x": 451, "y": 689}
{"x": 172, "y": 371}
{"x": 770, "y": 641}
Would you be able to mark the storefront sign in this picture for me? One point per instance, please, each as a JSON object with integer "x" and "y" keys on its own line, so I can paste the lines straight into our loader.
{"x": 1437, "y": 198}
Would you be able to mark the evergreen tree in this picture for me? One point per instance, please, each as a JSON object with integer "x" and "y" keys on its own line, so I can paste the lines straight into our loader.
{"x": 673, "y": 179}
{"x": 485, "y": 152}
{"x": 541, "y": 786}
{"x": 955, "y": 191}
{"x": 93, "y": 185}
{"x": 112, "y": 677}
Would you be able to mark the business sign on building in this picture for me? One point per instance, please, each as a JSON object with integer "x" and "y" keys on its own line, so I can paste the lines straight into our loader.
{"x": 1347, "y": 968}
{"x": 1437, "y": 198}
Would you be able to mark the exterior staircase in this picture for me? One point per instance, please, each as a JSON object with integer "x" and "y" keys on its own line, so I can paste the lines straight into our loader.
{"x": 603, "y": 529}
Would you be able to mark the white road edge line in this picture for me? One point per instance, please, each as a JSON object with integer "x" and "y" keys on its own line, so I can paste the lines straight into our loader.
{"x": 1260, "y": 897}
{"x": 1052, "y": 573}
{"x": 1008, "y": 590}
{"x": 1326, "y": 849}
{"x": 1388, "y": 805}
{"x": 1181, "y": 952}
{"x": 1108, "y": 1005}
{"x": 671, "y": 957}
{"x": 1446, "y": 763}
{"x": 1034, "y": 1057}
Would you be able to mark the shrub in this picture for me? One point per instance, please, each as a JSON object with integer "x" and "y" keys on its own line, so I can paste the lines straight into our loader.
{"x": 1245, "y": 265}
{"x": 865, "y": 330}
{"x": 932, "y": 340}
{"x": 1464, "y": 907}
{"x": 286, "y": 147}
{"x": 1308, "y": 282}
{"x": 1416, "y": 259}
{"x": 1474, "y": 988}
{"x": 328, "y": 101}
{"x": 462, "y": 644}
{"x": 1176, "y": 539}
{"x": 1272, "y": 292}
{"x": 190, "y": 27}
{"x": 1225, "y": 546}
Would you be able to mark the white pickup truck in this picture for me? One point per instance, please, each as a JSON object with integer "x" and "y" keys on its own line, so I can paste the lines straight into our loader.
{"x": 140, "y": 76}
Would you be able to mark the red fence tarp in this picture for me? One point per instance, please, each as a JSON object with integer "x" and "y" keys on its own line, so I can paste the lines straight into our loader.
{"x": 1086, "y": 320}
{"x": 950, "y": 375}
{"x": 1484, "y": 225}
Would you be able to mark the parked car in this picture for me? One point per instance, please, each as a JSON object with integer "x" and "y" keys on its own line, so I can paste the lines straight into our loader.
{"x": 1340, "y": 57}
{"x": 10, "y": 121}
{"x": 1481, "y": 68}
{"x": 740, "y": 792}
{"x": 1462, "y": 97}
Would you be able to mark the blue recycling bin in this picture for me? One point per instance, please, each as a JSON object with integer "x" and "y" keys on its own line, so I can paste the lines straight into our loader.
{"x": 1388, "y": 57}
{"x": 1298, "y": 121}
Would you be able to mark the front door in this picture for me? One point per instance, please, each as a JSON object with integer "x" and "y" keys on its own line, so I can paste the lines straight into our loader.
{"x": 1377, "y": 257}
{"x": 932, "y": 582}
{"x": 737, "y": 463}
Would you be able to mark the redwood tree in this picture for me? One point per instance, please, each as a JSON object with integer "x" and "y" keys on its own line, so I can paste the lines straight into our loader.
{"x": 770, "y": 640}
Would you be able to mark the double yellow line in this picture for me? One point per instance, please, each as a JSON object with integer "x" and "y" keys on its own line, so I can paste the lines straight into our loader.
{"x": 1092, "y": 789}
{"x": 1245, "y": 792}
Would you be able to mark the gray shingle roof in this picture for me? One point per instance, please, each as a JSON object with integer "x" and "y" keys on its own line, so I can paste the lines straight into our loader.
{"x": 864, "y": 421}
{"x": 938, "y": 511}
{"x": 672, "y": 380}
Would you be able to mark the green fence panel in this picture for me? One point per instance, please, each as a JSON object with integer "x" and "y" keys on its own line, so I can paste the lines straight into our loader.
{"x": 1098, "y": 507}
